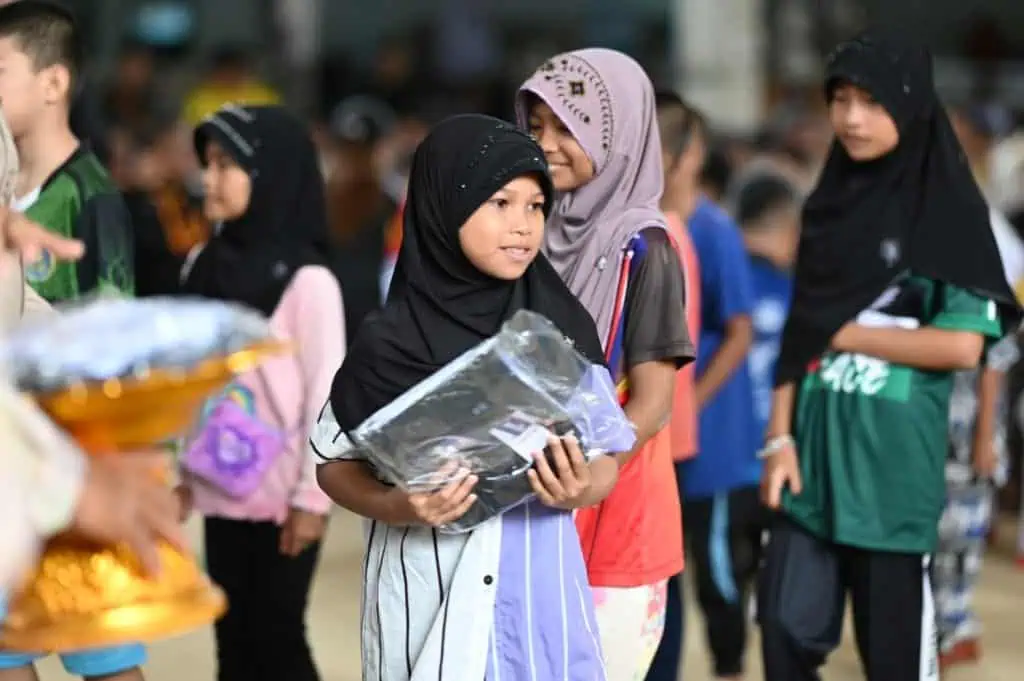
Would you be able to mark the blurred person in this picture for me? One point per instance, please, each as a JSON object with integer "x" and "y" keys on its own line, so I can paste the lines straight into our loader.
{"x": 269, "y": 251}
{"x": 130, "y": 99}
{"x": 975, "y": 467}
{"x": 716, "y": 173}
{"x": 62, "y": 186}
{"x": 722, "y": 516}
{"x": 359, "y": 208}
{"x": 682, "y": 154}
{"x": 396, "y": 76}
{"x": 977, "y": 460}
{"x": 979, "y": 128}
{"x": 229, "y": 80}
{"x": 47, "y": 485}
{"x": 593, "y": 112}
{"x": 508, "y": 599}
{"x": 767, "y": 205}
{"x": 167, "y": 215}
{"x": 898, "y": 284}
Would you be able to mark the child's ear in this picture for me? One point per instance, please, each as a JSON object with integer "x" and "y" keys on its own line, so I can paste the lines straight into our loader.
{"x": 58, "y": 84}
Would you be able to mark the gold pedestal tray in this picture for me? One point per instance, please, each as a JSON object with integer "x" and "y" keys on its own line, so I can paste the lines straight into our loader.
{"x": 85, "y": 596}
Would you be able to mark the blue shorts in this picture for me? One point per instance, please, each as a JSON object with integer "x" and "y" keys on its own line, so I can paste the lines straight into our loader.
{"x": 98, "y": 662}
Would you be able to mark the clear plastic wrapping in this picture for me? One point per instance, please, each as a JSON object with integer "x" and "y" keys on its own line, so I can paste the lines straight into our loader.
{"x": 108, "y": 338}
{"x": 490, "y": 411}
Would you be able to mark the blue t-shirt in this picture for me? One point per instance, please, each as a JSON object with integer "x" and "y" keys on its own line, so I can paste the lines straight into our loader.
{"x": 773, "y": 290}
{"x": 727, "y": 458}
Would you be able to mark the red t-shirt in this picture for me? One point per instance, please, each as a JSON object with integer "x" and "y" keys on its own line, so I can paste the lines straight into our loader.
{"x": 635, "y": 536}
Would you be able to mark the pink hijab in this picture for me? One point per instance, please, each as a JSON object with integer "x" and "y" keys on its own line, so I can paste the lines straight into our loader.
{"x": 606, "y": 101}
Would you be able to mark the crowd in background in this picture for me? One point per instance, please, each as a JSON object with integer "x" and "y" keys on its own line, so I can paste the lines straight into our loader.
{"x": 366, "y": 134}
{"x": 738, "y": 198}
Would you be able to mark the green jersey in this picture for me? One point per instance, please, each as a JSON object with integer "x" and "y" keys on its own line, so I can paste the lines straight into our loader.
{"x": 871, "y": 435}
{"x": 80, "y": 201}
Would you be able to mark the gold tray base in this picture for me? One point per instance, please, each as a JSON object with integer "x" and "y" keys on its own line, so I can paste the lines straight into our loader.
{"x": 123, "y": 624}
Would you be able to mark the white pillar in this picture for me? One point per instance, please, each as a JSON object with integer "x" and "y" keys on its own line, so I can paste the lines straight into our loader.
{"x": 719, "y": 59}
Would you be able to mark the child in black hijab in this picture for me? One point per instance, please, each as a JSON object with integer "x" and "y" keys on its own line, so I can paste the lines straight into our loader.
{"x": 265, "y": 194}
{"x": 475, "y": 605}
{"x": 898, "y": 284}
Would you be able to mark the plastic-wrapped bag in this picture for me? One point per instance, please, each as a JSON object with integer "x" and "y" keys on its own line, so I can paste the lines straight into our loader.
{"x": 102, "y": 338}
{"x": 490, "y": 411}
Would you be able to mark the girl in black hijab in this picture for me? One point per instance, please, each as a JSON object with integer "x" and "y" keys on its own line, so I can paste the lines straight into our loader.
{"x": 435, "y": 603}
{"x": 898, "y": 284}
{"x": 247, "y": 471}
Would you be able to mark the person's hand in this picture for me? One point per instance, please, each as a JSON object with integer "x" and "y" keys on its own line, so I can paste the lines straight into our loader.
{"x": 21, "y": 235}
{"x": 564, "y": 481}
{"x": 125, "y": 501}
{"x": 781, "y": 470}
{"x": 438, "y": 508}
{"x": 186, "y": 501}
{"x": 300, "y": 531}
{"x": 984, "y": 460}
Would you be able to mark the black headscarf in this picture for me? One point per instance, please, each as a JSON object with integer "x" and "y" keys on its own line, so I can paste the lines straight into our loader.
{"x": 439, "y": 304}
{"x": 252, "y": 259}
{"x": 917, "y": 210}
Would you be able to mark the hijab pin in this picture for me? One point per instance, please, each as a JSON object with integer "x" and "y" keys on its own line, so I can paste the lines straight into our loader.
{"x": 602, "y": 262}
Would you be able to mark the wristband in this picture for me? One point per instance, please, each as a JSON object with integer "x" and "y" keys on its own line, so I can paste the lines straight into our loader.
{"x": 775, "y": 445}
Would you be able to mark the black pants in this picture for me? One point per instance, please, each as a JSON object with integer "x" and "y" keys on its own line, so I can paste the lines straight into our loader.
{"x": 263, "y": 634}
{"x": 723, "y": 549}
{"x": 804, "y": 585}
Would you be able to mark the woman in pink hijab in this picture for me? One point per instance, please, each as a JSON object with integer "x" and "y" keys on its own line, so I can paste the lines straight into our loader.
{"x": 593, "y": 113}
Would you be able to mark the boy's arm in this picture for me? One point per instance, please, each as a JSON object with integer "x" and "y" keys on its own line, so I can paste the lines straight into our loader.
{"x": 726, "y": 273}
{"x": 109, "y": 262}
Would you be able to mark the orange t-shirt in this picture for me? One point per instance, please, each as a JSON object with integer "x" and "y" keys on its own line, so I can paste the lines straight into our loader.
{"x": 684, "y": 406}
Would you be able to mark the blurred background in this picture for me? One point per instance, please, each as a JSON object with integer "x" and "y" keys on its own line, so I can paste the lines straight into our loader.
{"x": 371, "y": 76}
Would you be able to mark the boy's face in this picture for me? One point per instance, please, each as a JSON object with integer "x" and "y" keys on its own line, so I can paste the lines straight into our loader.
{"x": 24, "y": 90}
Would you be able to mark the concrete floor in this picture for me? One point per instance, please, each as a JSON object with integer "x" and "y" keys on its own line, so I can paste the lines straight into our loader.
{"x": 334, "y": 630}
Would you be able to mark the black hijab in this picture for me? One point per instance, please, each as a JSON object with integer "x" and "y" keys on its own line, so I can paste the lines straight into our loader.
{"x": 439, "y": 304}
{"x": 916, "y": 210}
{"x": 252, "y": 259}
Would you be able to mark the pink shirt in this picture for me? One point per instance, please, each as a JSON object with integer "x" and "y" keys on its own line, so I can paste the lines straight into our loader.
{"x": 311, "y": 319}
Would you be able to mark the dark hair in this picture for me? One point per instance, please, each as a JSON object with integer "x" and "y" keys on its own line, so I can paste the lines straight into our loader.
{"x": 717, "y": 172}
{"x": 678, "y": 122}
{"x": 761, "y": 194}
{"x": 46, "y": 33}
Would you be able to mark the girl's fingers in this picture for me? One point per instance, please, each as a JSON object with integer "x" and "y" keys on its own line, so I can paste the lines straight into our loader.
{"x": 578, "y": 462}
{"x": 538, "y": 488}
{"x": 459, "y": 511}
{"x": 547, "y": 477}
{"x": 563, "y": 466}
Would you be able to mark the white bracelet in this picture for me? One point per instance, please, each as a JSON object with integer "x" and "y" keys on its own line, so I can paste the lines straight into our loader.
{"x": 775, "y": 445}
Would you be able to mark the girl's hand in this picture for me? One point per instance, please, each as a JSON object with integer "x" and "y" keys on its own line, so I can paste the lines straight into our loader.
{"x": 781, "y": 469}
{"x": 563, "y": 483}
{"x": 300, "y": 531}
{"x": 438, "y": 508}
{"x": 984, "y": 460}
